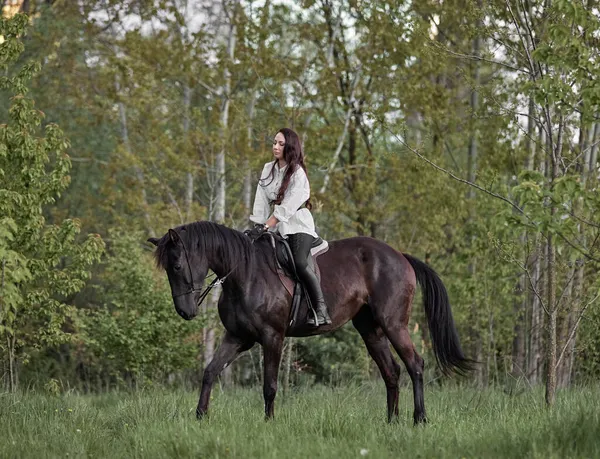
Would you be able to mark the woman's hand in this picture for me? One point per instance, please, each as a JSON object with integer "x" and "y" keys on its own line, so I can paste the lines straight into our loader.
{"x": 256, "y": 232}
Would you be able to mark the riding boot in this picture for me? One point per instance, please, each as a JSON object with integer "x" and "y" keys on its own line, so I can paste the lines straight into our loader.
{"x": 300, "y": 243}
{"x": 313, "y": 287}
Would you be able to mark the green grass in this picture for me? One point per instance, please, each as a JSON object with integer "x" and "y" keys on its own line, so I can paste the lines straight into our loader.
{"x": 308, "y": 423}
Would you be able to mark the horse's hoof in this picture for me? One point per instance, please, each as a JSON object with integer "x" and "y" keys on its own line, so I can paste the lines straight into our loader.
{"x": 420, "y": 419}
{"x": 200, "y": 415}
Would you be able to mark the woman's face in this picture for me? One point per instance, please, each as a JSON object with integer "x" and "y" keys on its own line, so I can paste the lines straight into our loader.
{"x": 278, "y": 144}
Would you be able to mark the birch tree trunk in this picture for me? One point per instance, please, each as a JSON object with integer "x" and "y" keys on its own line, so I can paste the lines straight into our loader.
{"x": 189, "y": 185}
{"x": 518, "y": 346}
{"x": 471, "y": 172}
{"x": 10, "y": 378}
{"x": 224, "y": 121}
{"x": 247, "y": 188}
{"x": 535, "y": 360}
{"x": 594, "y": 148}
{"x": 551, "y": 341}
{"x": 288, "y": 365}
{"x": 523, "y": 304}
{"x": 534, "y": 366}
{"x": 137, "y": 170}
{"x": 5, "y": 361}
{"x": 220, "y": 202}
{"x": 587, "y": 144}
{"x": 565, "y": 325}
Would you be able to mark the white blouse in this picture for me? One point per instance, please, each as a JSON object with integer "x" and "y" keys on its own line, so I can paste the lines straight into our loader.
{"x": 291, "y": 219}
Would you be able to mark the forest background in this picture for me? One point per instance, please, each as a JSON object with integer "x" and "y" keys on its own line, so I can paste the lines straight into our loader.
{"x": 463, "y": 132}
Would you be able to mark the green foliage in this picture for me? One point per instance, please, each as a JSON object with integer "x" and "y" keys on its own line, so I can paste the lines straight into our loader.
{"x": 42, "y": 265}
{"x": 143, "y": 105}
{"x": 588, "y": 362}
{"x": 134, "y": 335}
{"x": 332, "y": 359}
{"x": 12, "y": 277}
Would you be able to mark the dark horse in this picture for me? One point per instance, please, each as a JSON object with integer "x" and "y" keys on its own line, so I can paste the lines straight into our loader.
{"x": 363, "y": 280}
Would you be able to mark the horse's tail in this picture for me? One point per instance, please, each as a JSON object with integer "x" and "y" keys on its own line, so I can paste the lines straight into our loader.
{"x": 446, "y": 345}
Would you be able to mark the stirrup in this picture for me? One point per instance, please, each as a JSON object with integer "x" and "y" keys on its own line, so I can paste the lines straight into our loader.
{"x": 320, "y": 317}
{"x": 313, "y": 320}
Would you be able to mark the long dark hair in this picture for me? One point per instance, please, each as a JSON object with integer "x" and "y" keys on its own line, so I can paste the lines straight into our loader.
{"x": 294, "y": 157}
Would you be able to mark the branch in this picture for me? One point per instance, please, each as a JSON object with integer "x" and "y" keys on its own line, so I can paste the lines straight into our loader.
{"x": 534, "y": 286}
{"x": 447, "y": 172}
{"x": 273, "y": 96}
{"x": 351, "y": 108}
{"x": 582, "y": 251}
{"x": 574, "y": 330}
{"x": 87, "y": 160}
{"x": 578, "y": 249}
{"x": 581, "y": 219}
{"x": 210, "y": 89}
{"x": 490, "y": 61}
{"x": 557, "y": 153}
{"x": 338, "y": 150}
{"x": 527, "y": 24}
{"x": 500, "y": 41}
{"x": 525, "y": 269}
{"x": 523, "y": 43}
{"x": 565, "y": 288}
{"x": 365, "y": 134}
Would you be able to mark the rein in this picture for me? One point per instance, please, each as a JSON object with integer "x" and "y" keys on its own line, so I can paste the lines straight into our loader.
{"x": 193, "y": 289}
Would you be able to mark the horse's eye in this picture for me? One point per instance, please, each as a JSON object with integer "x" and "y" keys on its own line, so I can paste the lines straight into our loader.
{"x": 177, "y": 267}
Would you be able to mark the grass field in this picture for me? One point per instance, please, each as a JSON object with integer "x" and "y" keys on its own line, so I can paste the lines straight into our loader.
{"x": 342, "y": 422}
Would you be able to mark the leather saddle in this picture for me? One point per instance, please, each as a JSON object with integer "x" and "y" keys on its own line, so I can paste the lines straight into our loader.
{"x": 286, "y": 270}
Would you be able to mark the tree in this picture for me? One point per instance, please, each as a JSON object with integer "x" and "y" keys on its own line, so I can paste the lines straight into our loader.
{"x": 42, "y": 265}
{"x": 544, "y": 52}
{"x": 554, "y": 51}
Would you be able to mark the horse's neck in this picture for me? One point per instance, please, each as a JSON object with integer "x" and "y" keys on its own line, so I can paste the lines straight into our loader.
{"x": 217, "y": 263}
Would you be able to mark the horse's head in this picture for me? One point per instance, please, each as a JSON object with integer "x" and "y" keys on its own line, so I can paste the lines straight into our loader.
{"x": 186, "y": 270}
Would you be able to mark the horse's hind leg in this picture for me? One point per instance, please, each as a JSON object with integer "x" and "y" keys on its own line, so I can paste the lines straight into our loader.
{"x": 379, "y": 349}
{"x": 229, "y": 349}
{"x": 393, "y": 318}
{"x": 400, "y": 339}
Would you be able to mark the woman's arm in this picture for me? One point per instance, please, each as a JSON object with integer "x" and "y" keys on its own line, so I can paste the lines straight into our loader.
{"x": 260, "y": 210}
{"x": 271, "y": 222}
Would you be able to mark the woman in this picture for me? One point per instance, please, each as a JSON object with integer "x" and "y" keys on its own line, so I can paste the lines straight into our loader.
{"x": 284, "y": 184}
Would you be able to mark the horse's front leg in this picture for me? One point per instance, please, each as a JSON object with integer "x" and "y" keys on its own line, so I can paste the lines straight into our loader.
{"x": 229, "y": 349}
{"x": 272, "y": 347}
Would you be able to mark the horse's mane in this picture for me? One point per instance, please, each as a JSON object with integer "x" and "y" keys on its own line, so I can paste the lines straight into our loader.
{"x": 235, "y": 248}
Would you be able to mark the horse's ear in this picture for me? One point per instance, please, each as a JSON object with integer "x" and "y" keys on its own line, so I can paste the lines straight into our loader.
{"x": 174, "y": 236}
{"x": 154, "y": 240}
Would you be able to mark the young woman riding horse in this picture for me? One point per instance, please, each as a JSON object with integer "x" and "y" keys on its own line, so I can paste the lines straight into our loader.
{"x": 364, "y": 280}
{"x": 284, "y": 184}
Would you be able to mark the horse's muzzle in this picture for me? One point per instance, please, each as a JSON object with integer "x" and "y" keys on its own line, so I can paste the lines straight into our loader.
{"x": 185, "y": 315}
{"x": 186, "y": 306}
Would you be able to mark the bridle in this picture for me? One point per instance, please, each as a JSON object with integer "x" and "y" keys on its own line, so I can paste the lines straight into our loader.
{"x": 192, "y": 288}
